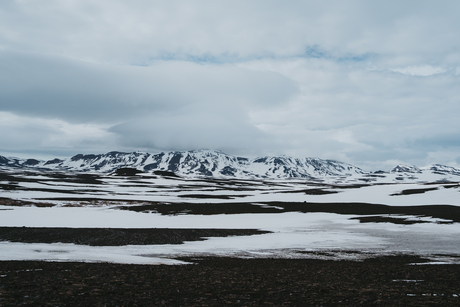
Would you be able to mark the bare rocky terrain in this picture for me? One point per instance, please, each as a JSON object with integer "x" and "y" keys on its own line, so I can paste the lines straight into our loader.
{"x": 383, "y": 281}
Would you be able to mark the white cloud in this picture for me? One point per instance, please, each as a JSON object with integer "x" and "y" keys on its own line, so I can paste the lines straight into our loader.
{"x": 119, "y": 32}
{"x": 360, "y": 115}
{"x": 422, "y": 70}
{"x": 193, "y": 129}
{"x": 82, "y": 92}
{"x": 50, "y": 137}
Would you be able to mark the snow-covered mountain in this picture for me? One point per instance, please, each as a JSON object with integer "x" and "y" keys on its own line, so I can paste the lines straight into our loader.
{"x": 195, "y": 163}
{"x": 432, "y": 173}
{"x": 406, "y": 169}
{"x": 444, "y": 169}
{"x": 217, "y": 164}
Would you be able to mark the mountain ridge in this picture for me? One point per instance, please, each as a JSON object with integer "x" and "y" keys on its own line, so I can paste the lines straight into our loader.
{"x": 209, "y": 163}
{"x": 214, "y": 163}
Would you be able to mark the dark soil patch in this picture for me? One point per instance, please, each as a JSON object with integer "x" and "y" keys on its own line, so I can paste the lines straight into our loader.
{"x": 200, "y": 209}
{"x": 116, "y": 236}
{"x": 387, "y": 219}
{"x": 352, "y": 186}
{"x": 9, "y": 186}
{"x": 19, "y": 203}
{"x": 413, "y": 191}
{"x": 85, "y": 178}
{"x": 49, "y": 190}
{"x": 387, "y": 281}
{"x": 313, "y": 192}
{"x": 448, "y": 212}
{"x": 319, "y": 192}
{"x": 88, "y": 199}
{"x": 166, "y": 174}
{"x": 207, "y": 196}
{"x": 127, "y": 171}
{"x": 52, "y": 176}
{"x": 455, "y": 186}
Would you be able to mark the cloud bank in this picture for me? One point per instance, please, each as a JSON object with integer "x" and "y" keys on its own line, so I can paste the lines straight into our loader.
{"x": 367, "y": 83}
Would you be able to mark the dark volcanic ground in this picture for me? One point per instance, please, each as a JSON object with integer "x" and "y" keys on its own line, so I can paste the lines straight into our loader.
{"x": 116, "y": 236}
{"x": 384, "y": 281}
{"x": 447, "y": 212}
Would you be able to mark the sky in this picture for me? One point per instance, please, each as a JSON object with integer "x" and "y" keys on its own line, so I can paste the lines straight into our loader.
{"x": 371, "y": 83}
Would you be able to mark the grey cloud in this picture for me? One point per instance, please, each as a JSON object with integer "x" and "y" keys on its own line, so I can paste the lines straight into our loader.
{"x": 24, "y": 136}
{"x": 57, "y": 137}
{"x": 437, "y": 141}
{"x": 119, "y": 32}
{"x": 196, "y": 129}
{"x": 360, "y": 115}
{"x": 82, "y": 92}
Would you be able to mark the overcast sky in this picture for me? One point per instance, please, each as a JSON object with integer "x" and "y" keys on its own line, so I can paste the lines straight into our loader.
{"x": 372, "y": 83}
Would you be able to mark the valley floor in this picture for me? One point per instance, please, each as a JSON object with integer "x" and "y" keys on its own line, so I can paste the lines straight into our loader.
{"x": 101, "y": 240}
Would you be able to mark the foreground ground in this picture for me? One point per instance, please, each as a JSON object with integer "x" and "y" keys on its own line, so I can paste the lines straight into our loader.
{"x": 103, "y": 241}
{"x": 384, "y": 281}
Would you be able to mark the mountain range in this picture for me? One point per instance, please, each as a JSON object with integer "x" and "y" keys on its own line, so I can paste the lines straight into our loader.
{"x": 211, "y": 163}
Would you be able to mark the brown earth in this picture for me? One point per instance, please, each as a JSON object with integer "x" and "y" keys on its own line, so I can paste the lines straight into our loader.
{"x": 384, "y": 281}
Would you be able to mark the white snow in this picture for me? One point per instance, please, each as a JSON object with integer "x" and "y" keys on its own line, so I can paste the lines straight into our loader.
{"x": 293, "y": 233}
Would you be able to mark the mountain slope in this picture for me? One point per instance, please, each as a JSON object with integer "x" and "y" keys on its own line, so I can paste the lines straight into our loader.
{"x": 196, "y": 163}
{"x": 217, "y": 164}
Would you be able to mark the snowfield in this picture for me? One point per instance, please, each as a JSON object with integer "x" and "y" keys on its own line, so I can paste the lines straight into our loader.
{"x": 288, "y": 209}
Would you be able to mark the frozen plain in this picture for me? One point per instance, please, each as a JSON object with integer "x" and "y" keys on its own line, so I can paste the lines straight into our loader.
{"x": 48, "y": 201}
